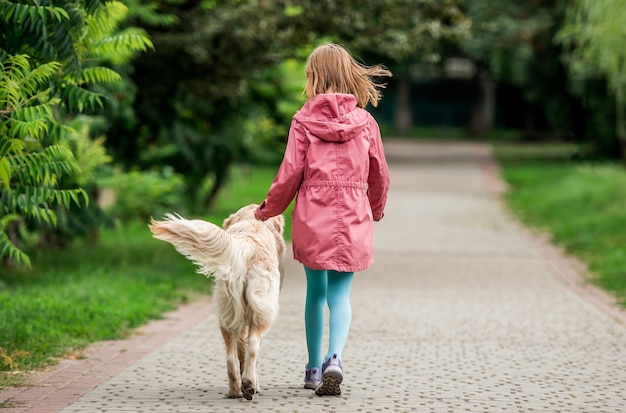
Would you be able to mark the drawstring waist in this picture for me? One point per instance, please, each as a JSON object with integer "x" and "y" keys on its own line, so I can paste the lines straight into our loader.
{"x": 335, "y": 184}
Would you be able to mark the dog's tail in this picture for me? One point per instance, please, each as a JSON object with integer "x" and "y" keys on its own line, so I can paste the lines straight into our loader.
{"x": 206, "y": 244}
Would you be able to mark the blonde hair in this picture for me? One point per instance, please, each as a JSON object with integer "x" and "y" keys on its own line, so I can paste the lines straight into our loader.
{"x": 331, "y": 67}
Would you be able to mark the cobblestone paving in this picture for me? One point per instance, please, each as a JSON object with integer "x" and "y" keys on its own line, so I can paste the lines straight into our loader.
{"x": 458, "y": 314}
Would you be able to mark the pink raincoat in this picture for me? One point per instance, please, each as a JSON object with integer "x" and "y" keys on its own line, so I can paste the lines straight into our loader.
{"x": 334, "y": 162}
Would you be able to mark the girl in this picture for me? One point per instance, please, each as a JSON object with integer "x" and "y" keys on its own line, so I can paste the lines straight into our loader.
{"x": 334, "y": 162}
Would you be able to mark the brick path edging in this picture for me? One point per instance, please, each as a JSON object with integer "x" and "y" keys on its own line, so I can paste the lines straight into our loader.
{"x": 59, "y": 386}
{"x": 568, "y": 269}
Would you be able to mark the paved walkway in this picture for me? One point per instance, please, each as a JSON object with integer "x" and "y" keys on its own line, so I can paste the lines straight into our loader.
{"x": 463, "y": 311}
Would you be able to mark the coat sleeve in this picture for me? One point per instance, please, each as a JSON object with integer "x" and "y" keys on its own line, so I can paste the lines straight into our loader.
{"x": 378, "y": 178}
{"x": 288, "y": 178}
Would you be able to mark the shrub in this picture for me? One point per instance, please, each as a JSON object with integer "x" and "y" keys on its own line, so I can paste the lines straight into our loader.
{"x": 142, "y": 194}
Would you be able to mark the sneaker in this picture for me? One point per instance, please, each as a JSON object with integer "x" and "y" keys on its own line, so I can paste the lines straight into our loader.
{"x": 312, "y": 377}
{"x": 332, "y": 377}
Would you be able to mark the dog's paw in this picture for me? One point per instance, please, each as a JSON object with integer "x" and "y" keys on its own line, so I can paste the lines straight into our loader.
{"x": 234, "y": 394}
{"x": 247, "y": 388}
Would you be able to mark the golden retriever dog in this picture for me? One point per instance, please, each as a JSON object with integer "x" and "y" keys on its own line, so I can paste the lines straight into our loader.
{"x": 246, "y": 258}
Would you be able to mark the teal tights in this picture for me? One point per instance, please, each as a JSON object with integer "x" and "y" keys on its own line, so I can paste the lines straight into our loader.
{"x": 332, "y": 287}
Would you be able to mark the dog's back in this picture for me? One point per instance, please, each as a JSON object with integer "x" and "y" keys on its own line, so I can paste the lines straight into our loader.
{"x": 245, "y": 257}
{"x": 247, "y": 296}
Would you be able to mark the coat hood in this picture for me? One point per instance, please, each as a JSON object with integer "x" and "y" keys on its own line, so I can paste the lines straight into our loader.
{"x": 333, "y": 117}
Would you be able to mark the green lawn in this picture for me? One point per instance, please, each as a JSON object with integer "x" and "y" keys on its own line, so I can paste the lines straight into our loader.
{"x": 88, "y": 293}
{"x": 452, "y": 133}
{"x": 83, "y": 294}
{"x": 581, "y": 204}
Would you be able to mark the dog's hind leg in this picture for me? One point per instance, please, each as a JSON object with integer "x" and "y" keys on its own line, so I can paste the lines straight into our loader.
{"x": 232, "y": 364}
{"x": 242, "y": 343}
{"x": 249, "y": 381}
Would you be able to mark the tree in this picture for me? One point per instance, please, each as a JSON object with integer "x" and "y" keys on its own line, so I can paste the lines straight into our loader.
{"x": 511, "y": 42}
{"x": 562, "y": 71}
{"x": 50, "y": 56}
{"x": 400, "y": 33}
{"x": 594, "y": 34}
{"x": 196, "y": 108}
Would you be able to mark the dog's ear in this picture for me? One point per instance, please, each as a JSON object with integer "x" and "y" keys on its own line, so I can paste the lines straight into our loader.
{"x": 278, "y": 222}
{"x": 229, "y": 221}
{"x": 243, "y": 214}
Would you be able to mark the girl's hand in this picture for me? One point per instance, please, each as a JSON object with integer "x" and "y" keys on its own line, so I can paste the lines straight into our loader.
{"x": 259, "y": 215}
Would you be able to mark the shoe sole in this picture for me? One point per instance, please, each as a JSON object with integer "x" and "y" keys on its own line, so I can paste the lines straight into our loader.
{"x": 311, "y": 385}
{"x": 331, "y": 381}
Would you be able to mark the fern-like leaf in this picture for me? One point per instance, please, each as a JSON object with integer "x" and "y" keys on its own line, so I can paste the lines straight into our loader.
{"x": 36, "y": 128}
{"x": 30, "y": 121}
{"x": 119, "y": 48}
{"x": 39, "y": 77}
{"x": 104, "y": 22}
{"x": 43, "y": 167}
{"x": 36, "y": 157}
{"x": 78, "y": 99}
{"x": 19, "y": 84}
{"x": 38, "y": 202}
{"x": 7, "y": 247}
{"x": 93, "y": 75}
{"x": 5, "y": 173}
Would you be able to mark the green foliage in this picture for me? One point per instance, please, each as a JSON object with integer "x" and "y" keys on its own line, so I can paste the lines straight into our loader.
{"x": 505, "y": 34}
{"x": 50, "y": 57}
{"x": 90, "y": 153}
{"x": 202, "y": 96}
{"x": 399, "y": 30}
{"x": 248, "y": 185}
{"x": 29, "y": 168}
{"x": 150, "y": 12}
{"x": 514, "y": 40}
{"x": 276, "y": 95}
{"x": 522, "y": 43}
{"x": 145, "y": 194}
{"x": 594, "y": 35}
{"x": 31, "y": 27}
{"x": 93, "y": 163}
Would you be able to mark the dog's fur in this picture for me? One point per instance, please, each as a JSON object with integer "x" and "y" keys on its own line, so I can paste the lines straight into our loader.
{"x": 245, "y": 256}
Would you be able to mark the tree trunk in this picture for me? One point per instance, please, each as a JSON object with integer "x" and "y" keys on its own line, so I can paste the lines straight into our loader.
{"x": 622, "y": 145}
{"x": 620, "y": 127}
{"x": 222, "y": 165}
{"x": 403, "y": 119}
{"x": 482, "y": 115}
{"x": 211, "y": 197}
{"x": 579, "y": 118}
{"x": 530, "y": 130}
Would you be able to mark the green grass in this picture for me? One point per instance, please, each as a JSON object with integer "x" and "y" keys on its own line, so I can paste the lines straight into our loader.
{"x": 83, "y": 294}
{"x": 582, "y": 205}
{"x": 88, "y": 293}
{"x": 248, "y": 185}
{"x": 453, "y": 133}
